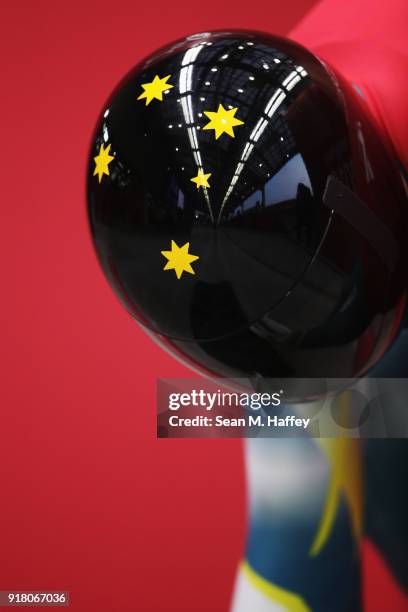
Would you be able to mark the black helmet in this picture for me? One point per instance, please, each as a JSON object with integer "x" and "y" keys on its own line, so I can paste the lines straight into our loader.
{"x": 245, "y": 208}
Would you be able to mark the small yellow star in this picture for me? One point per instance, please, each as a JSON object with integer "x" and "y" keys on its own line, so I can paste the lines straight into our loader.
{"x": 201, "y": 180}
{"x": 102, "y": 162}
{"x": 155, "y": 89}
{"x": 179, "y": 259}
{"x": 222, "y": 121}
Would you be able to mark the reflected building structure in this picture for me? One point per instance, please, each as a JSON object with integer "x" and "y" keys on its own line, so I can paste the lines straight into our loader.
{"x": 242, "y": 76}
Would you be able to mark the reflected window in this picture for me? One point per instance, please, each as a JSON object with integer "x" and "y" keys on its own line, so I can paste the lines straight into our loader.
{"x": 283, "y": 186}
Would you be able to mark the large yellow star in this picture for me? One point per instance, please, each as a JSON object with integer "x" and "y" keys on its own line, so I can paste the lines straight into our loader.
{"x": 102, "y": 161}
{"x": 222, "y": 121}
{"x": 179, "y": 259}
{"x": 155, "y": 89}
{"x": 201, "y": 180}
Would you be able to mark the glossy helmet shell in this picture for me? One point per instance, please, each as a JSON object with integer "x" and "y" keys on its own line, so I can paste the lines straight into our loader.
{"x": 300, "y": 235}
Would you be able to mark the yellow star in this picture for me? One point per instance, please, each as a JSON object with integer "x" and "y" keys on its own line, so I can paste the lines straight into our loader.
{"x": 179, "y": 259}
{"x": 155, "y": 89}
{"x": 222, "y": 121}
{"x": 201, "y": 180}
{"x": 102, "y": 162}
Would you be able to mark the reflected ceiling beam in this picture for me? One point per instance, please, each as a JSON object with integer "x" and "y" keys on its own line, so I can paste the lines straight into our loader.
{"x": 270, "y": 109}
{"x": 185, "y": 89}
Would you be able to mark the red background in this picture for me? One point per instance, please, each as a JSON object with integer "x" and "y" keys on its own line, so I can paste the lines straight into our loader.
{"x": 91, "y": 502}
